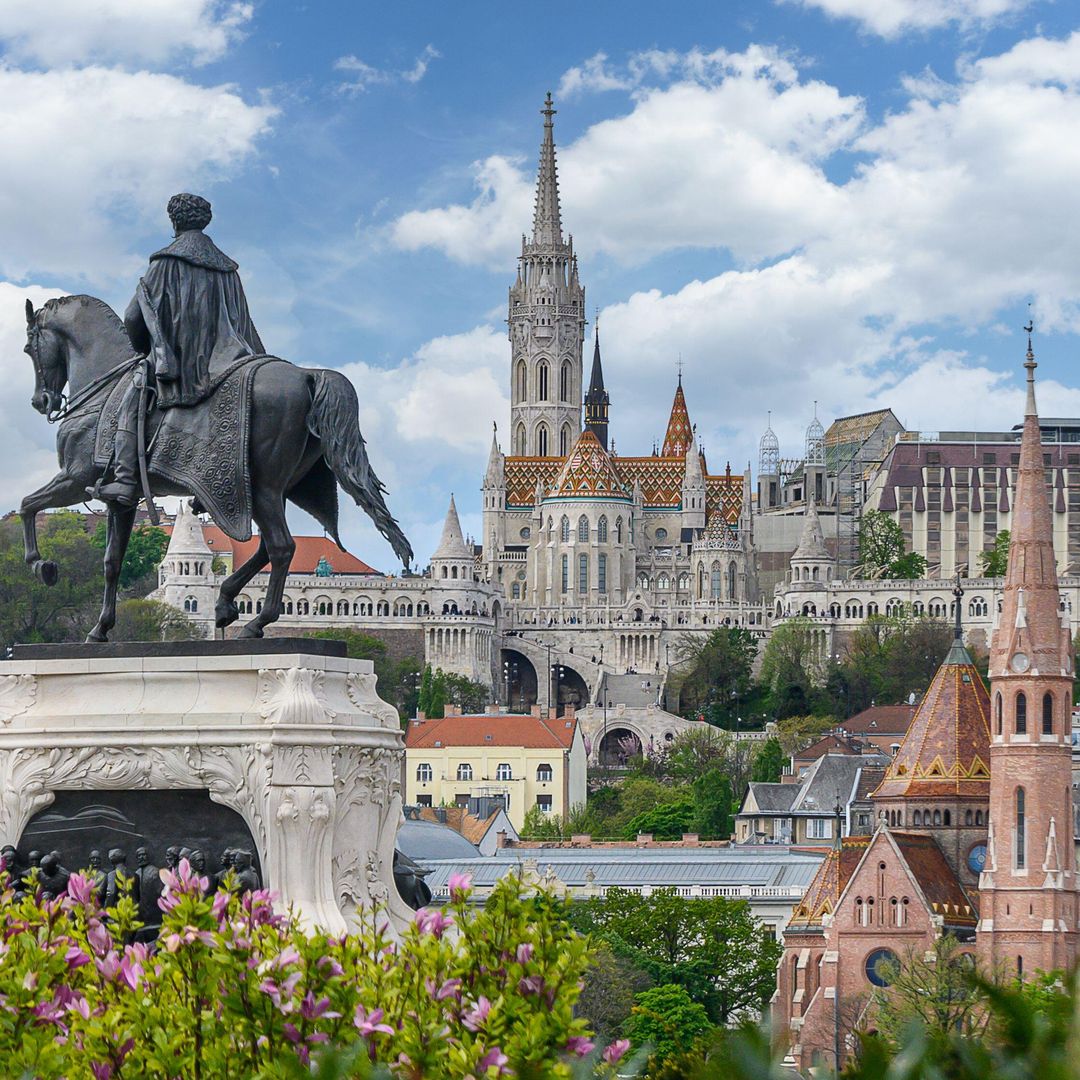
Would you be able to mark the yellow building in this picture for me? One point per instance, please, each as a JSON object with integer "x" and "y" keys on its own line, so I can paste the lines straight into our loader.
{"x": 526, "y": 761}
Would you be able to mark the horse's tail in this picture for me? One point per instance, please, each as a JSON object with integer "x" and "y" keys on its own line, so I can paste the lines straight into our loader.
{"x": 335, "y": 420}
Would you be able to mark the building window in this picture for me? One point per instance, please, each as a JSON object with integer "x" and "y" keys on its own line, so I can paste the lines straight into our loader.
{"x": 1021, "y": 845}
{"x": 715, "y": 583}
{"x": 544, "y": 774}
{"x": 601, "y": 529}
{"x": 564, "y": 442}
{"x": 997, "y": 710}
{"x": 1048, "y": 714}
{"x": 424, "y": 773}
{"x": 601, "y": 573}
{"x": 543, "y": 373}
{"x": 191, "y": 604}
{"x": 464, "y": 771}
{"x": 731, "y": 581}
{"x": 564, "y": 529}
{"x": 543, "y": 803}
{"x": 565, "y": 573}
{"x": 522, "y": 381}
{"x": 583, "y": 574}
{"x": 583, "y": 529}
{"x": 663, "y": 582}
{"x": 423, "y": 800}
{"x": 542, "y": 440}
{"x": 819, "y": 828}
{"x": 519, "y": 440}
{"x": 503, "y": 771}
{"x": 1021, "y": 713}
{"x": 564, "y": 383}
{"x": 618, "y": 530}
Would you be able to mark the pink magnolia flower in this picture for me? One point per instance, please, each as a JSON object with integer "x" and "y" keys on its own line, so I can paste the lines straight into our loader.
{"x": 534, "y": 984}
{"x": 524, "y": 953}
{"x": 460, "y": 885}
{"x": 98, "y": 937}
{"x": 329, "y": 964}
{"x": 310, "y": 1009}
{"x": 81, "y": 889}
{"x": 450, "y": 988}
{"x": 615, "y": 1051}
{"x": 493, "y": 1059}
{"x": 130, "y": 972}
{"x": 475, "y": 1019}
{"x": 370, "y": 1023}
{"x": 432, "y": 921}
{"x": 578, "y": 1044}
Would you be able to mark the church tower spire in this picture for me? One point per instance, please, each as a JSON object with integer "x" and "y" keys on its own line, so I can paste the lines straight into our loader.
{"x": 679, "y": 436}
{"x": 546, "y": 324}
{"x": 1028, "y": 906}
{"x": 597, "y": 400}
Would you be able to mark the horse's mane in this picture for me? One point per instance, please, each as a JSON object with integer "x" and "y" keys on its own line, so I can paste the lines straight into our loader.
{"x": 113, "y": 321}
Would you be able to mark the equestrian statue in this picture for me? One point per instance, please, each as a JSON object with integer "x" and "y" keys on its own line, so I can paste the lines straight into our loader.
{"x": 180, "y": 398}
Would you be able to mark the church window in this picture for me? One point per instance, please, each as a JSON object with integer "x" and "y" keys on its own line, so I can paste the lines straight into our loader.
{"x": 1021, "y": 713}
{"x": 1021, "y": 844}
{"x": 583, "y": 574}
{"x": 715, "y": 582}
{"x": 503, "y": 771}
{"x": 978, "y": 817}
{"x": 918, "y": 817}
{"x": 946, "y": 817}
{"x": 519, "y": 440}
{"x": 564, "y": 441}
{"x": 343, "y": 607}
{"x": 464, "y": 771}
{"x": 542, "y": 440}
{"x": 701, "y": 582}
{"x": 515, "y": 591}
{"x": 1048, "y": 714}
{"x": 424, "y": 773}
{"x": 601, "y": 573}
{"x": 937, "y": 817}
{"x": 551, "y": 525}
{"x": 453, "y": 572}
{"x": 814, "y": 574}
{"x": 731, "y": 572}
{"x": 564, "y": 529}
{"x": 894, "y": 911}
{"x": 522, "y": 381}
{"x": 288, "y": 605}
{"x": 601, "y": 529}
{"x": 445, "y": 572}
{"x": 997, "y": 710}
{"x": 977, "y": 606}
{"x": 302, "y": 607}
{"x": 684, "y": 582}
{"x": 968, "y": 817}
{"x": 565, "y": 573}
{"x": 643, "y": 581}
{"x": 871, "y": 607}
{"x": 618, "y": 530}
{"x": 583, "y": 529}
{"x": 191, "y": 604}
{"x": 542, "y": 373}
{"x": 663, "y": 582}
{"x": 564, "y": 383}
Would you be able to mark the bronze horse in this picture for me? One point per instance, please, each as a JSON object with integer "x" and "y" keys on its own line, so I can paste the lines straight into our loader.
{"x": 305, "y": 440}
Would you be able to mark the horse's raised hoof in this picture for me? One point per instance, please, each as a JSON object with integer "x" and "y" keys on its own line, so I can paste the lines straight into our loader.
{"x": 251, "y": 631}
{"x": 225, "y": 613}
{"x": 97, "y": 636}
{"x": 46, "y": 571}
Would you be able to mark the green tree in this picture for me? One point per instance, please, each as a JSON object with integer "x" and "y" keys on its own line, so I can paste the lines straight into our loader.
{"x": 437, "y": 701}
{"x": 790, "y": 667}
{"x": 150, "y": 620}
{"x": 769, "y": 762}
{"x": 995, "y": 562}
{"x": 665, "y": 821}
{"x": 795, "y": 733}
{"x": 714, "y": 676}
{"x": 712, "y": 946}
{"x": 423, "y": 701}
{"x": 712, "y": 805}
{"x": 610, "y": 986}
{"x": 467, "y": 694}
{"x": 668, "y": 1021}
{"x": 145, "y": 550}
{"x": 539, "y": 825}
{"x": 882, "y": 552}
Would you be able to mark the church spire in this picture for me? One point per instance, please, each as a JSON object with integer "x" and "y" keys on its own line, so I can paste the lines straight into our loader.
{"x": 680, "y": 434}
{"x": 547, "y": 219}
{"x": 597, "y": 400}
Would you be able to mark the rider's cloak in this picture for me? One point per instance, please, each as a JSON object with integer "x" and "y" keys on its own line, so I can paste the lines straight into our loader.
{"x": 190, "y": 316}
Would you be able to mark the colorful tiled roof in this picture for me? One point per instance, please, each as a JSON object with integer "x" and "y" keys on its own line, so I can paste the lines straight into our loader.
{"x": 513, "y": 729}
{"x": 679, "y": 432}
{"x": 821, "y": 898}
{"x": 588, "y": 471}
{"x": 855, "y": 429}
{"x": 947, "y": 748}
{"x": 943, "y": 890}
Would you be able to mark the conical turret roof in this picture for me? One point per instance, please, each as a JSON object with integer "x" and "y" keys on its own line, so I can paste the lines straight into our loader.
{"x": 680, "y": 435}
{"x": 187, "y": 533}
{"x": 812, "y": 542}
{"x": 547, "y": 218}
{"x": 452, "y": 545}
{"x": 588, "y": 471}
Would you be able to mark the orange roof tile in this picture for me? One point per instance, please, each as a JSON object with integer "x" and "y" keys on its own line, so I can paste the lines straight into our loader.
{"x": 679, "y": 433}
{"x": 588, "y": 471}
{"x": 880, "y": 720}
{"x": 941, "y": 887}
{"x": 511, "y": 729}
{"x": 829, "y": 882}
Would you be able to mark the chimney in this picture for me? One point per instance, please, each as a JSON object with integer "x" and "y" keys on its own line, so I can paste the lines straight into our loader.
{"x": 420, "y": 717}
{"x": 568, "y": 712}
{"x": 580, "y": 840}
{"x": 553, "y": 714}
{"x": 452, "y": 710}
{"x": 690, "y": 839}
{"x": 644, "y": 839}
{"x": 536, "y": 712}
{"x": 500, "y": 838}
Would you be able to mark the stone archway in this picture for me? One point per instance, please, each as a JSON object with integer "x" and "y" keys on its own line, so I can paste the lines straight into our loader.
{"x": 571, "y": 688}
{"x": 518, "y": 682}
{"x": 618, "y": 747}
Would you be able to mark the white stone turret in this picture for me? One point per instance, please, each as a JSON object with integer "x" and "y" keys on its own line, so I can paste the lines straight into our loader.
{"x": 811, "y": 561}
{"x": 186, "y": 575}
{"x": 453, "y": 558}
{"x": 693, "y": 490}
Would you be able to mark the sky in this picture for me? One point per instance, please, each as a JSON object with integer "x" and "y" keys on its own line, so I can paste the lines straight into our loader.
{"x": 847, "y": 202}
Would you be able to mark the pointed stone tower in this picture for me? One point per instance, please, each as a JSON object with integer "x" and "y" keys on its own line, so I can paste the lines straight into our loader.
{"x": 547, "y": 324}
{"x": 693, "y": 489}
{"x": 494, "y": 517}
{"x": 453, "y": 558}
{"x": 812, "y": 561}
{"x": 679, "y": 435}
{"x": 1028, "y": 891}
{"x": 597, "y": 400}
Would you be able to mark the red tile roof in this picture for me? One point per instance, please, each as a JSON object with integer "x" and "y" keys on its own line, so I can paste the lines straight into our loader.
{"x": 880, "y": 720}
{"x": 508, "y": 730}
{"x": 941, "y": 887}
{"x": 829, "y": 883}
{"x": 309, "y": 549}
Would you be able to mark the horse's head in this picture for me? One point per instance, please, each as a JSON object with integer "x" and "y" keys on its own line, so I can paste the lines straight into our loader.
{"x": 45, "y": 349}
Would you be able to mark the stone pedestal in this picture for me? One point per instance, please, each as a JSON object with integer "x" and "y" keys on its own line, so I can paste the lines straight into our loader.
{"x": 287, "y": 734}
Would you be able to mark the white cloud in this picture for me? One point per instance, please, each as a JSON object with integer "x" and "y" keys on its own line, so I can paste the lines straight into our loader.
{"x": 120, "y": 31}
{"x": 364, "y": 75}
{"x": 92, "y": 154}
{"x": 889, "y": 18}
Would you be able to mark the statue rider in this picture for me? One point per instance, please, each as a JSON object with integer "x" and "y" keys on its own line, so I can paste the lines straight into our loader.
{"x": 190, "y": 317}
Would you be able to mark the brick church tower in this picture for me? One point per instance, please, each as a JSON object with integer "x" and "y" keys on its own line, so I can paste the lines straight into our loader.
{"x": 1028, "y": 890}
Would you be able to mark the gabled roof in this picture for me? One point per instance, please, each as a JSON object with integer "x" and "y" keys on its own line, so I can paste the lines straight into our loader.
{"x": 881, "y": 720}
{"x": 824, "y": 892}
{"x": 831, "y": 778}
{"x": 856, "y": 428}
{"x": 943, "y": 890}
{"x": 947, "y": 748}
{"x": 588, "y": 471}
{"x": 771, "y": 798}
{"x": 514, "y": 730}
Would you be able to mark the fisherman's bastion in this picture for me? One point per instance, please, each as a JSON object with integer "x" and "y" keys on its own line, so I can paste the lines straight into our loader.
{"x": 594, "y": 567}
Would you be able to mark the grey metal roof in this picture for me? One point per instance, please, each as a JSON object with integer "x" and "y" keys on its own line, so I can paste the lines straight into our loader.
{"x": 427, "y": 840}
{"x": 829, "y": 775}
{"x": 774, "y": 798}
{"x": 764, "y": 867}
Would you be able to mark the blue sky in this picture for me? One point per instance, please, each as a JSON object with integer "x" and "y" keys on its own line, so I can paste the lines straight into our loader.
{"x": 843, "y": 200}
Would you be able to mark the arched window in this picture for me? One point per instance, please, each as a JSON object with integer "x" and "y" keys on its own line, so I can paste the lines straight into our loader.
{"x": 716, "y": 584}
{"x": 917, "y": 817}
{"x": 663, "y": 582}
{"x": 618, "y": 530}
{"x": 302, "y": 607}
{"x": 564, "y": 441}
{"x": 937, "y": 817}
{"x": 453, "y": 572}
{"x": 583, "y": 529}
{"x": 503, "y": 771}
{"x": 564, "y": 529}
{"x": 731, "y": 572}
{"x": 968, "y": 817}
{"x": 997, "y": 711}
{"x": 701, "y": 582}
{"x": 515, "y": 591}
{"x": 1021, "y": 844}
{"x": 522, "y": 381}
{"x": 978, "y": 817}
{"x": 542, "y": 440}
{"x": 1048, "y": 714}
{"x": 519, "y": 440}
{"x": 191, "y": 604}
{"x": 601, "y": 573}
{"x": 894, "y": 911}
{"x": 464, "y": 771}
{"x": 565, "y": 573}
{"x": 583, "y": 574}
{"x": 643, "y": 581}
{"x": 1021, "y": 713}
{"x": 544, "y": 774}
{"x": 601, "y": 529}
{"x": 343, "y": 607}
{"x": 564, "y": 382}
{"x": 542, "y": 374}
{"x": 424, "y": 773}
{"x": 946, "y": 817}
{"x": 684, "y": 582}
{"x": 287, "y": 601}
